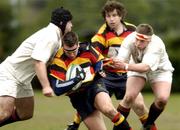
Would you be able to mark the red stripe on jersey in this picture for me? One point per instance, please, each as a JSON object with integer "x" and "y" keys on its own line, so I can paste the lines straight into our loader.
{"x": 125, "y": 34}
{"x": 110, "y": 35}
{"x": 58, "y": 74}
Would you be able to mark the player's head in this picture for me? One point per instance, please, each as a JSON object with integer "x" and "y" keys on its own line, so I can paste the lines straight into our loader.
{"x": 60, "y": 17}
{"x": 112, "y": 5}
{"x": 70, "y": 44}
{"x": 145, "y": 29}
{"x": 144, "y": 34}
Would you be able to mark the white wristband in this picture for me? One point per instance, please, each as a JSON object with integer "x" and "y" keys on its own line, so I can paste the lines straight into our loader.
{"x": 126, "y": 66}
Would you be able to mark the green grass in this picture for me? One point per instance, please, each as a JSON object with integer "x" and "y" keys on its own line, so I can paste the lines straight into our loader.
{"x": 55, "y": 113}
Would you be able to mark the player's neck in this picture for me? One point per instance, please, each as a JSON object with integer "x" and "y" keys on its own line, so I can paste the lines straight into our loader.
{"x": 120, "y": 29}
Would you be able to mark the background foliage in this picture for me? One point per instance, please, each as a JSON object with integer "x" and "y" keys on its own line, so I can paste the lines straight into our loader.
{"x": 21, "y": 18}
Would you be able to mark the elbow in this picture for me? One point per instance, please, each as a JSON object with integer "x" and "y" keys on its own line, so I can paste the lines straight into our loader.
{"x": 56, "y": 91}
{"x": 57, "y": 94}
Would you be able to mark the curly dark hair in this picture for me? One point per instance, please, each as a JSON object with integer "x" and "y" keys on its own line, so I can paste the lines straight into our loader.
{"x": 111, "y": 5}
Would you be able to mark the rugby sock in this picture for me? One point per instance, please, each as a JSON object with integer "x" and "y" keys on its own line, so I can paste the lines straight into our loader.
{"x": 154, "y": 113}
{"x": 77, "y": 118}
{"x": 124, "y": 111}
{"x": 120, "y": 122}
{"x": 143, "y": 118}
{"x": 13, "y": 118}
{"x": 76, "y": 121}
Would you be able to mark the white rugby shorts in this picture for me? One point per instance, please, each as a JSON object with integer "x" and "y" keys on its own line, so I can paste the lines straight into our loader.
{"x": 9, "y": 86}
{"x": 154, "y": 76}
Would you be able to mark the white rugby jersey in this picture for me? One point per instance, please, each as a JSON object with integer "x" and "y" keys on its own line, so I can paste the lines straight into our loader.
{"x": 41, "y": 46}
{"x": 154, "y": 54}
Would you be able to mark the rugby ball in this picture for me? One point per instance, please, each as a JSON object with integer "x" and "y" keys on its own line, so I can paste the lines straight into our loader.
{"x": 71, "y": 73}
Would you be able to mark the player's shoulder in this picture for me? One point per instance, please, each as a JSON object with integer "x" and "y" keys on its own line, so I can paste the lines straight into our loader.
{"x": 59, "y": 54}
{"x": 129, "y": 26}
{"x": 102, "y": 29}
{"x": 85, "y": 46}
{"x": 130, "y": 39}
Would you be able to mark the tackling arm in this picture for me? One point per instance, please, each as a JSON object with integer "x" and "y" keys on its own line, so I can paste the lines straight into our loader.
{"x": 41, "y": 72}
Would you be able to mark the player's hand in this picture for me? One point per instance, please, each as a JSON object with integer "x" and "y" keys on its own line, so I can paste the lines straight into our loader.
{"x": 118, "y": 64}
{"x": 48, "y": 92}
{"x": 80, "y": 74}
{"x": 107, "y": 61}
{"x": 102, "y": 73}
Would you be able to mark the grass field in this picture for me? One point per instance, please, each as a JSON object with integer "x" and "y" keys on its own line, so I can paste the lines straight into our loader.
{"x": 54, "y": 113}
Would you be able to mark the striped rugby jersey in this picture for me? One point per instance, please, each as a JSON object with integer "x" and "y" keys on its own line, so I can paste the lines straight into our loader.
{"x": 87, "y": 57}
{"x": 107, "y": 42}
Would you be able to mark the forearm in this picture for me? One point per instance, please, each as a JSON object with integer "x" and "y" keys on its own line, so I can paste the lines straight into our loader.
{"x": 140, "y": 67}
{"x": 61, "y": 87}
{"x": 41, "y": 72}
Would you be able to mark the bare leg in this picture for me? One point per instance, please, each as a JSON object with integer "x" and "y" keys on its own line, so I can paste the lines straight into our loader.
{"x": 95, "y": 121}
{"x": 133, "y": 87}
{"x": 6, "y": 107}
{"x": 162, "y": 93}
{"x": 15, "y": 109}
{"x": 104, "y": 104}
{"x": 25, "y": 107}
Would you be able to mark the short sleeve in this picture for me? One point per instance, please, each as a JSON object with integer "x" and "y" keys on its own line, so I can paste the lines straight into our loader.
{"x": 44, "y": 50}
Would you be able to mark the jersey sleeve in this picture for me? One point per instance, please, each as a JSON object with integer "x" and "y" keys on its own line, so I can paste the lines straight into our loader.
{"x": 95, "y": 56}
{"x": 153, "y": 54}
{"x": 98, "y": 40}
{"x": 58, "y": 69}
{"x": 124, "y": 52}
{"x": 44, "y": 50}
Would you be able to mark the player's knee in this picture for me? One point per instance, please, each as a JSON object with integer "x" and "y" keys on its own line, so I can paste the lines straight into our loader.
{"x": 139, "y": 106}
{"x": 161, "y": 103}
{"x": 109, "y": 111}
{"x": 129, "y": 99}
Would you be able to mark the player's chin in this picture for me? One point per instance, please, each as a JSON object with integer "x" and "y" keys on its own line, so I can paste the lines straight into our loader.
{"x": 112, "y": 26}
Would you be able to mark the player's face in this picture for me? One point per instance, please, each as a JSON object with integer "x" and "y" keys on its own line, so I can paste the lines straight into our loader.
{"x": 141, "y": 44}
{"x": 71, "y": 52}
{"x": 68, "y": 27}
{"x": 113, "y": 19}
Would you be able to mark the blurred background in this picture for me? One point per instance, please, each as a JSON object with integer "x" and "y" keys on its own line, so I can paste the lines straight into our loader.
{"x": 21, "y": 18}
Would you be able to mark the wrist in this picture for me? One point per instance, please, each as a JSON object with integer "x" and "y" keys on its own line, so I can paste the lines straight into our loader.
{"x": 77, "y": 79}
{"x": 126, "y": 67}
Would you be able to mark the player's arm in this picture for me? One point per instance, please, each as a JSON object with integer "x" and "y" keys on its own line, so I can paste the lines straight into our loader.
{"x": 41, "y": 72}
{"x": 98, "y": 68}
{"x": 60, "y": 87}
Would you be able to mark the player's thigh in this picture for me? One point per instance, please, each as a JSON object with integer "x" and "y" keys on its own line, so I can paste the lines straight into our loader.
{"x": 134, "y": 85}
{"x": 6, "y": 106}
{"x": 25, "y": 107}
{"x": 95, "y": 121}
{"x": 103, "y": 102}
{"x": 162, "y": 90}
{"x": 161, "y": 84}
